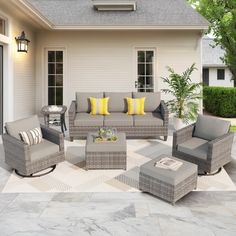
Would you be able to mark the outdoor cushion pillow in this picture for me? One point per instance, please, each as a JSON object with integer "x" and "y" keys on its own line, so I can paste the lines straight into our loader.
{"x": 117, "y": 101}
{"x": 99, "y": 106}
{"x": 32, "y": 137}
{"x": 152, "y": 101}
{"x": 83, "y": 101}
{"x": 210, "y": 128}
{"x": 15, "y": 127}
{"x": 136, "y": 106}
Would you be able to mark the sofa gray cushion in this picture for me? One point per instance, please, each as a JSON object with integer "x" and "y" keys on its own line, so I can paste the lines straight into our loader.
{"x": 42, "y": 150}
{"x": 15, "y": 127}
{"x": 85, "y": 119}
{"x": 210, "y": 128}
{"x": 170, "y": 177}
{"x": 149, "y": 119}
{"x": 195, "y": 146}
{"x": 83, "y": 102}
{"x": 117, "y": 101}
{"x": 152, "y": 101}
{"x": 118, "y": 119}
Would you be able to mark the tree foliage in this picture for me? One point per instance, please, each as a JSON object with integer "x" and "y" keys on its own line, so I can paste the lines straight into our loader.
{"x": 222, "y": 17}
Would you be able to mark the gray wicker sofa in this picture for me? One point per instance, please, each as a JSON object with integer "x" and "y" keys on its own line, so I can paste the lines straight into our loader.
{"x": 153, "y": 124}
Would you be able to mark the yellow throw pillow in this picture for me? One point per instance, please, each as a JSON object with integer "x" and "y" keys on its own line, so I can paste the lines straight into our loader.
{"x": 136, "y": 106}
{"x": 99, "y": 106}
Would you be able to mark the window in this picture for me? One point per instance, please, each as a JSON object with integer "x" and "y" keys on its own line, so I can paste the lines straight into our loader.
{"x": 55, "y": 77}
{"x": 145, "y": 70}
{"x": 2, "y": 26}
{"x": 205, "y": 76}
{"x": 220, "y": 74}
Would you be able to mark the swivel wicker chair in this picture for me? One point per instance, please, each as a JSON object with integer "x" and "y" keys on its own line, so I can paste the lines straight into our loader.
{"x": 26, "y": 159}
{"x": 206, "y": 143}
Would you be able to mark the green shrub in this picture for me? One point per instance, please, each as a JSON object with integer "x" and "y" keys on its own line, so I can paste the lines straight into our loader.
{"x": 220, "y": 101}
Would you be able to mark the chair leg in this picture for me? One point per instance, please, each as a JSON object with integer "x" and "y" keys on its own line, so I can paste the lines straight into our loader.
{"x": 165, "y": 138}
{"x": 52, "y": 168}
{"x": 204, "y": 173}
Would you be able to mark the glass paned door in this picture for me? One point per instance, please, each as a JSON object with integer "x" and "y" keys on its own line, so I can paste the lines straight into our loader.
{"x": 145, "y": 70}
{"x": 1, "y": 89}
{"x": 55, "y": 77}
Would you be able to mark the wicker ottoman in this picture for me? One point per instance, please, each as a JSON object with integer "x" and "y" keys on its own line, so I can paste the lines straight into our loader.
{"x": 168, "y": 184}
{"x": 106, "y": 155}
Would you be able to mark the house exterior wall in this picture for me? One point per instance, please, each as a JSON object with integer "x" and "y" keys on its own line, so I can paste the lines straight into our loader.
{"x": 227, "y": 82}
{"x": 106, "y": 60}
{"x": 19, "y": 70}
{"x": 24, "y": 75}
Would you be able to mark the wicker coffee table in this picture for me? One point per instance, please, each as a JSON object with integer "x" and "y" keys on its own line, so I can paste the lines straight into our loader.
{"x": 168, "y": 184}
{"x": 106, "y": 155}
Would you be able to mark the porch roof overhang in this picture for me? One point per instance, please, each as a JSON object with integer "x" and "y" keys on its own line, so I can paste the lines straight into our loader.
{"x": 37, "y": 14}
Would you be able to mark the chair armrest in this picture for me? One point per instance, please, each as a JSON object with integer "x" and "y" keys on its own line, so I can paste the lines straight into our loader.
{"x": 53, "y": 136}
{"x": 182, "y": 135}
{"x": 164, "y": 112}
{"x": 219, "y": 147}
{"x": 15, "y": 148}
{"x": 72, "y": 113}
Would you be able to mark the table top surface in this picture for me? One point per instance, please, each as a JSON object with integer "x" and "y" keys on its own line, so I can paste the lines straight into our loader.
{"x": 46, "y": 110}
{"x": 120, "y": 141}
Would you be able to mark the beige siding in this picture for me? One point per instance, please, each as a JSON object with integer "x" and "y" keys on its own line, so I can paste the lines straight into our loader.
{"x": 24, "y": 77}
{"x": 19, "y": 71}
{"x": 105, "y": 61}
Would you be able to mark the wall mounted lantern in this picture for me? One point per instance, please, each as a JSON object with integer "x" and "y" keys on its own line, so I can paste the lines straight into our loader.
{"x": 22, "y": 43}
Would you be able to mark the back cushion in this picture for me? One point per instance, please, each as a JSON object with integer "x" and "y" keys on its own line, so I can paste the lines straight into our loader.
{"x": 117, "y": 101}
{"x": 15, "y": 127}
{"x": 210, "y": 128}
{"x": 83, "y": 102}
{"x": 152, "y": 101}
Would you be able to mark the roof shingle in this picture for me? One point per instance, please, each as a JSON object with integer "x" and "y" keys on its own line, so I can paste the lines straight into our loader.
{"x": 148, "y": 13}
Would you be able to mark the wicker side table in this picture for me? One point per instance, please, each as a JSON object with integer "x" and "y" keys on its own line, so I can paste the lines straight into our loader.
{"x": 47, "y": 111}
{"x": 106, "y": 155}
{"x": 168, "y": 184}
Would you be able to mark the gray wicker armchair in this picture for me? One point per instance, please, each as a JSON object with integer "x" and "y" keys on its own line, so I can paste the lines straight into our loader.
{"x": 206, "y": 143}
{"x": 28, "y": 160}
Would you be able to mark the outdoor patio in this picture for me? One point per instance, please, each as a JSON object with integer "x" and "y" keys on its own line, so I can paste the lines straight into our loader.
{"x": 116, "y": 207}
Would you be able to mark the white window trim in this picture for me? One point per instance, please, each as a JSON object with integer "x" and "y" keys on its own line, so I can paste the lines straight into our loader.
{"x": 154, "y": 49}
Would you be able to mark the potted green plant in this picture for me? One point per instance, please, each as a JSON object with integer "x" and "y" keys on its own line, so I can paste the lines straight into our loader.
{"x": 185, "y": 96}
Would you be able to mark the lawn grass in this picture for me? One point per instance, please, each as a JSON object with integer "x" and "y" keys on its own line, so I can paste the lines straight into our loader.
{"x": 233, "y": 128}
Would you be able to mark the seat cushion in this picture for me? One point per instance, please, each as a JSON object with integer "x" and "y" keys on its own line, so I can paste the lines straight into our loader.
{"x": 85, "y": 119}
{"x": 149, "y": 119}
{"x": 117, "y": 101}
{"x": 195, "y": 146}
{"x": 210, "y": 128}
{"x": 83, "y": 101}
{"x": 15, "y": 127}
{"x": 42, "y": 150}
{"x": 118, "y": 119}
{"x": 167, "y": 176}
{"x": 152, "y": 101}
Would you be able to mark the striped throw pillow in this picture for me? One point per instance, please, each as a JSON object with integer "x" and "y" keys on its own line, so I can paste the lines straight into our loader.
{"x": 99, "y": 106}
{"x": 32, "y": 137}
{"x": 136, "y": 106}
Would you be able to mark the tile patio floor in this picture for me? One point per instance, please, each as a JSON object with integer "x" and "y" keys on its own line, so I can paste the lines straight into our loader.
{"x": 62, "y": 214}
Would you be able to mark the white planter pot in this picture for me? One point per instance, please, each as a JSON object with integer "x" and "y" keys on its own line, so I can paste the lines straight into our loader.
{"x": 178, "y": 123}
